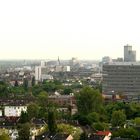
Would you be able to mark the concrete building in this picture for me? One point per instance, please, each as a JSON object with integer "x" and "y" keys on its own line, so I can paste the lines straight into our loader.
{"x": 121, "y": 78}
{"x": 43, "y": 63}
{"x": 62, "y": 68}
{"x": 106, "y": 59}
{"x": 74, "y": 61}
{"x": 38, "y": 73}
{"x": 46, "y": 77}
{"x": 66, "y": 68}
{"x": 129, "y": 54}
{"x": 41, "y": 73}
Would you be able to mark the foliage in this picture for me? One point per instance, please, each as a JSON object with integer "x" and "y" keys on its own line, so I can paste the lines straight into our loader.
{"x": 65, "y": 128}
{"x": 4, "y": 136}
{"x": 32, "y": 110}
{"x": 3, "y": 89}
{"x": 52, "y": 120}
{"x": 88, "y": 101}
{"x": 43, "y": 99}
{"x": 33, "y": 81}
{"x": 67, "y": 91}
{"x": 83, "y": 136}
{"x": 24, "y": 118}
{"x": 93, "y": 117}
{"x": 126, "y": 133}
{"x": 49, "y": 87}
{"x": 42, "y": 112}
{"x": 36, "y": 90}
{"x": 118, "y": 118}
{"x": 25, "y": 84}
{"x": 24, "y": 132}
{"x": 100, "y": 126}
{"x": 132, "y": 109}
{"x": 82, "y": 119}
{"x": 69, "y": 129}
{"x": 17, "y": 90}
{"x": 137, "y": 121}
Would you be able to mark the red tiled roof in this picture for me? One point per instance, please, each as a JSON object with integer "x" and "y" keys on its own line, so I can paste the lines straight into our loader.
{"x": 103, "y": 133}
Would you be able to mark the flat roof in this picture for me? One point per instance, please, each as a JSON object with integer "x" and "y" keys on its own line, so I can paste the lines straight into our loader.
{"x": 123, "y": 63}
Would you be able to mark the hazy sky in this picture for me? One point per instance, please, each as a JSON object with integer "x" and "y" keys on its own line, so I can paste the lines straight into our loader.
{"x": 87, "y": 29}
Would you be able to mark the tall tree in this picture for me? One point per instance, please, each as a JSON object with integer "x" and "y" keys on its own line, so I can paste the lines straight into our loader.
{"x": 118, "y": 118}
{"x": 24, "y": 132}
{"x": 25, "y": 84}
{"x": 89, "y": 100}
{"x": 43, "y": 99}
{"x": 3, "y": 89}
{"x": 67, "y": 91}
{"x": 84, "y": 136}
{"x": 24, "y": 117}
{"x": 32, "y": 110}
{"x": 33, "y": 81}
{"x": 52, "y": 120}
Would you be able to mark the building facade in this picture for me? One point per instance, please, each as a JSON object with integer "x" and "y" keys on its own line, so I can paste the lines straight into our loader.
{"x": 129, "y": 54}
{"x": 14, "y": 111}
{"x": 121, "y": 78}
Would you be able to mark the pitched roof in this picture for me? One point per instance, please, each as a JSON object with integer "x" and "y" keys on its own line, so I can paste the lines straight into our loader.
{"x": 103, "y": 133}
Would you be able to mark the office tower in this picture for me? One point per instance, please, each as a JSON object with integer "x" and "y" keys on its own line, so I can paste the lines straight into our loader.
{"x": 121, "y": 78}
{"x": 129, "y": 54}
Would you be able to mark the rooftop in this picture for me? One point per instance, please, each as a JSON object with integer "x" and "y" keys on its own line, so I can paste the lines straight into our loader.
{"x": 123, "y": 63}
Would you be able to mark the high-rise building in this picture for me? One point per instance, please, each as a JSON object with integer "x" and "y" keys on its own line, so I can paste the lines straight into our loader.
{"x": 106, "y": 59}
{"x": 41, "y": 73}
{"x": 121, "y": 78}
{"x": 129, "y": 54}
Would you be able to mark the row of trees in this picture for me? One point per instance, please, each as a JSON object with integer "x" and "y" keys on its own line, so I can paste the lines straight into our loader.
{"x": 17, "y": 90}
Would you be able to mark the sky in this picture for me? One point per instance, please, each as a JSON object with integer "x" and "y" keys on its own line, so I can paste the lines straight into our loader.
{"x": 87, "y": 29}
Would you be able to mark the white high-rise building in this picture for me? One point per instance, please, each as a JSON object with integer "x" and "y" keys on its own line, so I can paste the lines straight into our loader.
{"x": 38, "y": 73}
{"x": 43, "y": 63}
{"x": 129, "y": 54}
{"x": 41, "y": 73}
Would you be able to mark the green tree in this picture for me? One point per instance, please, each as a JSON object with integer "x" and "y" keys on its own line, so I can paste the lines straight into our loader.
{"x": 52, "y": 120}
{"x": 84, "y": 136}
{"x": 24, "y": 132}
{"x": 100, "y": 126}
{"x": 43, "y": 99}
{"x": 118, "y": 118}
{"x": 93, "y": 117}
{"x": 32, "y": 110}
{"x": 24, "y": 118}
{"x": 137, "y": 121}
{"x": 37, "y": 89}
{"x": 4, "y": 136}
{"x": 88, "y": 101}
{"x": 42, "y": 113}
{"x": 49, "y": 87}
{"x": 3, "y": 89}
{"x": 130, "y": 133}
{"x": 67, "y": 91}
{"x": 82, "y": 119}
{"x": 25, "y": 84}
{"x": 33, "y": 81}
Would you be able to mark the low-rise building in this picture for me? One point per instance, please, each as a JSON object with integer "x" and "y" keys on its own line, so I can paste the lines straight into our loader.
{"x": 14, "y": 111}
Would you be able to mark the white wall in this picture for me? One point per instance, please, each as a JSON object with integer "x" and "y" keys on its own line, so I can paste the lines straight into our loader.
{"x": 14, "y": 111}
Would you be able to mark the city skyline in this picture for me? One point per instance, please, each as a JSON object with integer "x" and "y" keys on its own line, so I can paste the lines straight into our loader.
{"x": 77, "y": 28}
